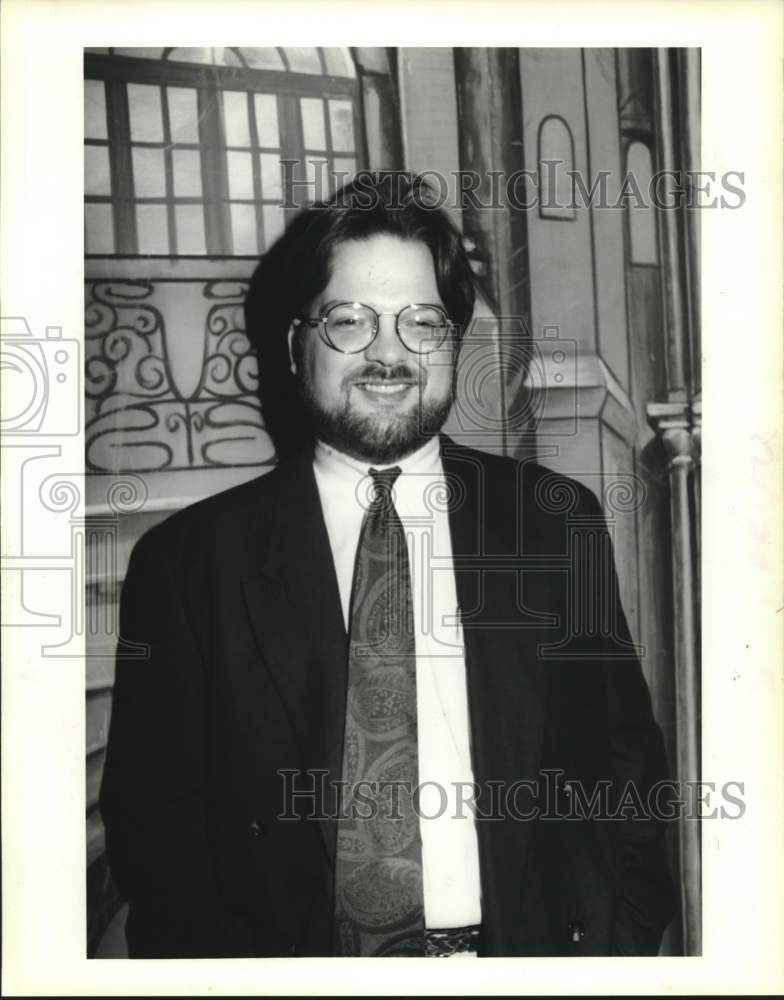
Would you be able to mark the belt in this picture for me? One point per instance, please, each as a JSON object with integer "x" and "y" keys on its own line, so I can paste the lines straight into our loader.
{"x": 451, "y": 941}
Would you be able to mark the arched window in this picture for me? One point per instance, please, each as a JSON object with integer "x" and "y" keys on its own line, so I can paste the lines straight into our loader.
{"x": 556, "y": 160}
{"x": 209, "y": 151}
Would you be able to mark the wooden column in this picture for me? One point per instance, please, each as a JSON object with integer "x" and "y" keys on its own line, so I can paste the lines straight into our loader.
{"x": 673, "y": 423}
{"x": 490, "y": 115}
{"x": 689, "y": 92}
{"x": 487, "y": 84}
{"x": 674, "y": 270}
{"x": 677, "y": 422}
{"x": 696, "y": 434}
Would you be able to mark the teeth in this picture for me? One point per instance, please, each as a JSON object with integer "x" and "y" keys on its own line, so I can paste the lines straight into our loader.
{"x": 385, "y": 388}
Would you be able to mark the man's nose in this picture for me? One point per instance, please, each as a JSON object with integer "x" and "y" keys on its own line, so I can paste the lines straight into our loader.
{"x": 387, "y": 348}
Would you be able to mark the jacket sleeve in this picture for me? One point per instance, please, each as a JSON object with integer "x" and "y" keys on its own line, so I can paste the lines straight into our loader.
{"x": 647, "y": 899}
{"x": 152, "y": 796}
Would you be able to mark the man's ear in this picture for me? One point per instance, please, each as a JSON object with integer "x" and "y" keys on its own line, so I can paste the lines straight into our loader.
{"x": 292, "y": 334}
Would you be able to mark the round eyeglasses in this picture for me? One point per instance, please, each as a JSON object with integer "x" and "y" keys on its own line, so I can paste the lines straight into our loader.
{"x": 351, "y": 327}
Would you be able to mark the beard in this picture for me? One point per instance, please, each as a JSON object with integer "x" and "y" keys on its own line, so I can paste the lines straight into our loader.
{"x": 379, "y": 438}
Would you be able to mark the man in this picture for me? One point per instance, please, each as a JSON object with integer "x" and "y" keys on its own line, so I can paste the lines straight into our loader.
{"x": 378, "y": 681}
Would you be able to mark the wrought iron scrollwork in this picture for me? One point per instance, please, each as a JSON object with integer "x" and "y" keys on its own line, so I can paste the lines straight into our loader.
{"x": 139, "y": 416}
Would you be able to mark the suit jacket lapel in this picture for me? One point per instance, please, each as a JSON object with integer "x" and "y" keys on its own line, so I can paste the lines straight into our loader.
{"x": 294, "y": 606}
{"x": 504, "y": 675}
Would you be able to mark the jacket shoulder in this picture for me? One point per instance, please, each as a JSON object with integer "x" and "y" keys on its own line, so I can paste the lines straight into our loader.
{"x": 225, "y": 515}
{"x": 538, "y": 486}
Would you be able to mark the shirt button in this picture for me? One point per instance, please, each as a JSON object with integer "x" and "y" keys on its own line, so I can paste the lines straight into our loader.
{"x": 258, "y": 829}
{"x": 576, "y": 931}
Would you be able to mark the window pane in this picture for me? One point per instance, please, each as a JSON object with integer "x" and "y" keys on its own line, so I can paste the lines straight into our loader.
{"x": 99, "y": 229}
{"x": 140, "y": 53}
{"x": 152, "y": 229}
{"x": 207, "y": 56}
{"x": 186, "y": 164}
{"x": 227, "y": 57}
{"x": 317, "y": 176}
{"x": 149, "y": 175}
{"x": 313, "y": 122}
{"x": 303, "y": 60}
{"x": 339, "y": 62}
{"x": 263, "y": 58}
{"x": 193, "y": 55}
{"x": 344, "y": 169}
{"x": 144, "y": 105}
{"x": 341, "y": 123}
{"x": 270, "y": 176}
{"x": 243, "y": 229}
{"x": 273, "y": 223}
{"x": 235, "y": 116}
{"x": 190, "y": 229}
{"x": 94, "y": 110}
{"x": 97, "y": 179}
{"x": 240, "y": 171}
{"x": 267, "y": 119}
{"x": 374, "y": 58}
{"x": 183, "y": 114}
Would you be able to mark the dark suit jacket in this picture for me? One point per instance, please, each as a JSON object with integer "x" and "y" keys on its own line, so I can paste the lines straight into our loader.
{"x": 237, "y": 599}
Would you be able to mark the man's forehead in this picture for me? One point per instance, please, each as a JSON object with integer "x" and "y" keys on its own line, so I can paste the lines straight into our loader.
{"x": 382, "y": 264}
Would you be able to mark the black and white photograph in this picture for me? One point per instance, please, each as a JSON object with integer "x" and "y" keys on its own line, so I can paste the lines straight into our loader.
{"x": 385, "y": 583}
{"x": 312, "y": 299}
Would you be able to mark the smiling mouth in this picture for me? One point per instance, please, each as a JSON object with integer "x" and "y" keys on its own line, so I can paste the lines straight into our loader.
{"x": 385, "y": 388}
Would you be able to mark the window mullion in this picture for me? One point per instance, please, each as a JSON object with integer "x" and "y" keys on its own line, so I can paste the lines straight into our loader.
{"x": 121, "y": 168}
{"x": 361, "y": 146}
{"x": 214, "y": 168}
{"x": 168, "y": 173}
{"x": 256, "y": 166}
{"x": 330, "y": 147}
{"x": 291, "y": 148}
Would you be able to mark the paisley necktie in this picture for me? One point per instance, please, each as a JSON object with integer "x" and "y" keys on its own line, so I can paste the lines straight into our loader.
{"x": 379, "y": 904}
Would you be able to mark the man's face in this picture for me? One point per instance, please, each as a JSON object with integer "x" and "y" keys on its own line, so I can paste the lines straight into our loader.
{"x": 383, "y": 403}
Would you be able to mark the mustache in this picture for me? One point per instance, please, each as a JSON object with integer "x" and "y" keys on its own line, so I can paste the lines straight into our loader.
{"x": 381, "y": 373}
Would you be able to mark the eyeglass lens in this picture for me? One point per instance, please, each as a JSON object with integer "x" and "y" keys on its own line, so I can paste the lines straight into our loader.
{"x": 350, "y": 327}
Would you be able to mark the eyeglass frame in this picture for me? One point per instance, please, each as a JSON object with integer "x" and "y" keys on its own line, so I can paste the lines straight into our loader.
{"x": 321, "y": 322}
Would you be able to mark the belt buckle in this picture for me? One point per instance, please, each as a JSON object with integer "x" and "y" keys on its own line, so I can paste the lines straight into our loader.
{"x": 449, "y": 941}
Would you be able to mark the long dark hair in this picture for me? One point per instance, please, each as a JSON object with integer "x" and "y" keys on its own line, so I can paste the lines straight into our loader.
{"x": 297, "y": 268}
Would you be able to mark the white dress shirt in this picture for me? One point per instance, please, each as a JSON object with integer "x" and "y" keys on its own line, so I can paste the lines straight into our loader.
{"x": 450, "y": 859}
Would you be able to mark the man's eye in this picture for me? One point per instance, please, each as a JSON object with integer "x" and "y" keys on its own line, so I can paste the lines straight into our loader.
{"x": 424, "y": 325}
{"x": 345, "y": 323}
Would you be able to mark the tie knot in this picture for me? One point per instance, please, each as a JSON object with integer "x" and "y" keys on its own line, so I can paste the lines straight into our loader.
{"x": 383, "y": 481}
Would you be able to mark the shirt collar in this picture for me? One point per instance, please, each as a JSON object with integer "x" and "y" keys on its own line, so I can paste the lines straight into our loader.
{"x": 336, "y": 463}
